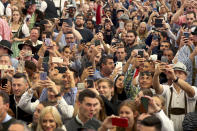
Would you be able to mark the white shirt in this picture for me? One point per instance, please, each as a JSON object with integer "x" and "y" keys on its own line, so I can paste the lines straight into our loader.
{"x": 178, "y": 101}
{"x": 29, "y": 107}
{"x": 167, "y": 124}
{"x": 2, "y": 8}
{"x": 43, "y": 6}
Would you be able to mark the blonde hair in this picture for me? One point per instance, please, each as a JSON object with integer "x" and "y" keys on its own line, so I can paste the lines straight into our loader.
{"x": 54, "y": 112}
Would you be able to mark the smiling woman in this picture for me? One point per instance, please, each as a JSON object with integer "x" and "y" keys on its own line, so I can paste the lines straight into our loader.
{"x": 50, "y": 119}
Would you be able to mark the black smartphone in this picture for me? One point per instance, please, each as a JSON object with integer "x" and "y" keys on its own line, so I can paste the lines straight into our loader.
{"x": 145, "y": 102}
{"x": 158, "y": 23}
{"x": 61, "y": 69}
{"x": 4, "y": 82}
{"x": 141, "y": 53}
{"x": 186, "y": 34}
{"x": 97, "y": 42}
{"x": 90, "y": 83}
{"x": 88, "y": 64}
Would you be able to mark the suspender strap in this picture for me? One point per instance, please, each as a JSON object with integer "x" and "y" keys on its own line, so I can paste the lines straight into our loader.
{"x": 169, "y": 106}
{"x": 176, "y": 111}
{"x": 194, "y": 69}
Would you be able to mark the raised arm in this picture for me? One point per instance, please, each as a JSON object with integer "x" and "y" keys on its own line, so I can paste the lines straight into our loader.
{"x": 156, "y": 83}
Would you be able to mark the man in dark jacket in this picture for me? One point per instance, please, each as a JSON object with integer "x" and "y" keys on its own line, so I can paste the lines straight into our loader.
{"x": 19, "y": 86}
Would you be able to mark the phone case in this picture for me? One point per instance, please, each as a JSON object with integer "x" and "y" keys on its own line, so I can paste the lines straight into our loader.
{"x": 121, "y": 122}
{"x": 43, "y": 75}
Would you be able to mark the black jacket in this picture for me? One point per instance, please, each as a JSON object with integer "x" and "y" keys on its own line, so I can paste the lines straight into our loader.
{"x": 19, "y": 113}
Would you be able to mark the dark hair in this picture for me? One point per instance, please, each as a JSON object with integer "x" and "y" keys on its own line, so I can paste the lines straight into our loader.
{"x": 5, "y": 97}
{"x": 30, "y": 65}
{"x": 147, "y": 92}
{"x": 192, "y": 12}
{"x": 69, "y": 32}
{"x": 105, "y": 58}
{"x": 20, "y": 75}
{"x": 164, "y": 34}
{"x": 36, "y": 28}
{"x": 86, "y": 93}
{"x": 132, "y": 31}
{"x": 80, "y": 15}
{"x": 152, "y": 121}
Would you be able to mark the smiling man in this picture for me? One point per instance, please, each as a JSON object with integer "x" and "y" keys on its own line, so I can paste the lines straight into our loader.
{"x": 19, "y": 86}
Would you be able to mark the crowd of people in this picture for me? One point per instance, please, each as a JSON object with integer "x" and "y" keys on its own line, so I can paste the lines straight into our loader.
{"x": 98, "y": 65}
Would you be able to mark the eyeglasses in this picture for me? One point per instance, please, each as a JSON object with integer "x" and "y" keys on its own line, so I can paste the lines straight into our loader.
{"x": 146, "y": 73}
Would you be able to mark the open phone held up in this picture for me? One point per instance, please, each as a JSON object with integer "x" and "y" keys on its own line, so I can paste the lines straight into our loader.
{"x": 120, "y": 122}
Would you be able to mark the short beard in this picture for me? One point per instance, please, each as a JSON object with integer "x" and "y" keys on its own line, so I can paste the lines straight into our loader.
{"x": 79, "y": 25}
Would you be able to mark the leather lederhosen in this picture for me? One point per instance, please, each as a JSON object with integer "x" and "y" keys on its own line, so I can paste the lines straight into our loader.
{"x": 176, "y": 111}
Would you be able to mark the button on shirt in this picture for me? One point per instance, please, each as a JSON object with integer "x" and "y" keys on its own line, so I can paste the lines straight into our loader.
{"x": 69, "y": 97}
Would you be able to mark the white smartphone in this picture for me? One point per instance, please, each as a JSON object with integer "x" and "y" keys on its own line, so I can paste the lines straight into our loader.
{"x": 119, "y": 65}
{"x": 57, "y": 60}
{"x": 81, "y": 86}
{"x": 121, "y": 25}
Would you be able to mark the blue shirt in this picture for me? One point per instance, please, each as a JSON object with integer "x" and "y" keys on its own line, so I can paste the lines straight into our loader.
{"x": 68, "y": 97}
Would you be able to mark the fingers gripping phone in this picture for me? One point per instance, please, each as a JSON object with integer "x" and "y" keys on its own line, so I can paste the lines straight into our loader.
{"x": 121, "y": 122}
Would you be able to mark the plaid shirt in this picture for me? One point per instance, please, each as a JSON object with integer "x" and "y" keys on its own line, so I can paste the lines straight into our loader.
{"x": 183, "y": 56}
{"x": 131, "y": 91}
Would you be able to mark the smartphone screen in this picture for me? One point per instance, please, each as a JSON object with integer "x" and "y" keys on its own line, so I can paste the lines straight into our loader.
{"x": 158, "y": 23}
{"x": 43, "y": 75}
{"x": 121, "y": 25}
{"x": 120, "y": 122}
{"x": 164, "y": 59}
{"x": 186, "y": 34}
{"x": 48, "y": 42}
{"x": 57, "y": 60}
{"x": 90, "y": 83}
{"x": 141, "y": 53}
{"x": 80, "y": 86}
{"x": 4, "y": 82}
{"x": 61, "y": 69}
{"x": 145, "y": 102}
{"x": 97, "y": 42}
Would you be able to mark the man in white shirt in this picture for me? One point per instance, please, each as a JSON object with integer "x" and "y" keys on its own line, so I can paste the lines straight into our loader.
{"x": 180, "y": 96}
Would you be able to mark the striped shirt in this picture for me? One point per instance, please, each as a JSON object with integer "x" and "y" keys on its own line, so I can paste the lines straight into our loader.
{"x": 183, "y": 56}
{"x": 190, "y": 122}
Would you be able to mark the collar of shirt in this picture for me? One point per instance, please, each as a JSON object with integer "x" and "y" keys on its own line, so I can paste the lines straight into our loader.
{"x": 78, "y": 120}
{"x": 7, "y": 118}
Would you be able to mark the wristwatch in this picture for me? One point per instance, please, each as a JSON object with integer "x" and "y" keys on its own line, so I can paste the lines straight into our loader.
{"x": 176, "y": 80}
